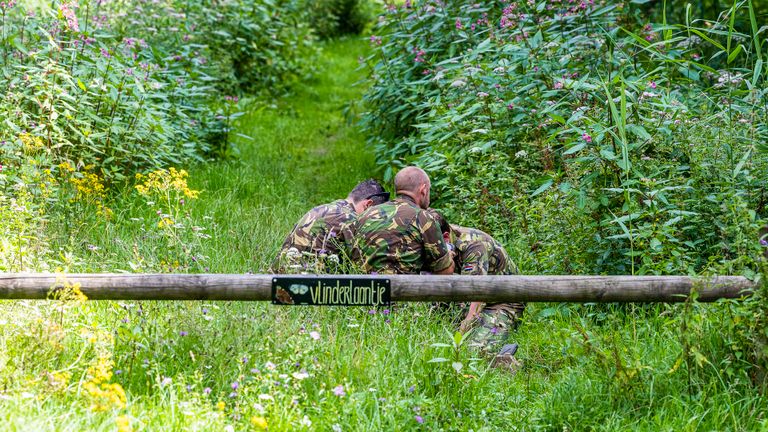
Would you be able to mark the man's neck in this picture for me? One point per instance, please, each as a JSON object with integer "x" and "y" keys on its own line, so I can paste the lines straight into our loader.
{"x": 408, "y": 196}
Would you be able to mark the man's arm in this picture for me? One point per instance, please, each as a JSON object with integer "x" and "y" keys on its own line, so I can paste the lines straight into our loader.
{"x": 437, "y": 256}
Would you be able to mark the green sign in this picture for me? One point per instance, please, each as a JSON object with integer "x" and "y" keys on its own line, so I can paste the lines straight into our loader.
{"x": 322, "y": 291}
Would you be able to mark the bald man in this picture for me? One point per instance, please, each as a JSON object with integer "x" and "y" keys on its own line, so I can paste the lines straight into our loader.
{"x": 400, "y": 236}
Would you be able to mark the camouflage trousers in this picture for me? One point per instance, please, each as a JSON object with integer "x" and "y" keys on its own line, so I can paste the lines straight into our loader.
{"x": 492, "y": 327}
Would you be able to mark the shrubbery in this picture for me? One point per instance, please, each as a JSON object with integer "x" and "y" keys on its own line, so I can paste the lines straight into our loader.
{"x": 595, "y": 138}
{"x": 94, "y": 92}
{"x": 593, "y": 141}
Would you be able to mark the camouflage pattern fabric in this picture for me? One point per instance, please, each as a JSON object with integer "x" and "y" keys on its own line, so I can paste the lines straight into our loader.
{"x": 397, "y": 237}
{"x": 477, "y": 253}
{"x": 314, "y": 244}
{"x": 491, "y": 330}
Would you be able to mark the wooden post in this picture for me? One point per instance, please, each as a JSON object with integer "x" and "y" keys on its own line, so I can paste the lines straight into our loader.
{"x": 412, "y": 288}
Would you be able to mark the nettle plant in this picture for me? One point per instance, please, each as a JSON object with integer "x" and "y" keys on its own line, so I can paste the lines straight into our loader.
{"x": 590, "y": 140}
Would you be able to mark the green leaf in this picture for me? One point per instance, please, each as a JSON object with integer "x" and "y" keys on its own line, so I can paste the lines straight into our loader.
{"x": 546, "y": 185}
{"x": 81, "y": 85}
{"x": 575, "y": 148}
{"x": 732, "y": 56}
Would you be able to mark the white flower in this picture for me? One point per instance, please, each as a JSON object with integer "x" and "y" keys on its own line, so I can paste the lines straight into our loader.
{"x": 458, "y": 83}
{"x": 229, "y": 428}
{"x": 315, "y": 335}
{"x": 300, "y": 375}
{"x": 336, "y": 428}
{"x": 306, "y": 422}
{"x": 258, "y": 407}
{"x": 265, "y": 396}
{"x": 269, "y": 365}
{"x": 521, "y": 154}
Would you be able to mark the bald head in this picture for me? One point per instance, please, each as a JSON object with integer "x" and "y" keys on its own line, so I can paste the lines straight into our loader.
{"x": 409, "y": 179}
{"x": 413, "y": 182}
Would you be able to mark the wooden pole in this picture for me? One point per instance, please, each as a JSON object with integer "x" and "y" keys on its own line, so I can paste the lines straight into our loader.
{"x": 412, "y": 288}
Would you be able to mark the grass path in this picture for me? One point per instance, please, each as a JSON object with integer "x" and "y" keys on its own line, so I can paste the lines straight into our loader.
{"x": 303, "y": 152}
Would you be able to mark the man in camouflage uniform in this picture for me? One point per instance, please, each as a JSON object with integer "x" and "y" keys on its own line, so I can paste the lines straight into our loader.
{"x": 400, "y": 236}
{"x": 477, "y": 253}
{"x": 313, "y": 244}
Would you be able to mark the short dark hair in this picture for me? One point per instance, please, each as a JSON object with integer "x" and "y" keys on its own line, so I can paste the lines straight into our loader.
{"x": 445, "y": 227}
{"x": 369, "y": 189}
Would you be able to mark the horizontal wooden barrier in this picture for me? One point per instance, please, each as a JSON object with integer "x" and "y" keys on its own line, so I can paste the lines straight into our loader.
{"x": 412, "y": 288}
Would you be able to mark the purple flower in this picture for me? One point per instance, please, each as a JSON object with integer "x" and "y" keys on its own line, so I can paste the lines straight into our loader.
{"x": 235, "y": 385}
{"x": 105, "y": 53}
{"x": 205, "y": 311}
{"x": 245, "y": 360}
{"x": 764, "y": 242}
{"x": 385, "y": 312}
{"x": 372, "y": 312}
{"x": 255, "y": 371}
{"x": 233, "y": 394}
{"x": 183, "y": 333}
{"x": 207, "y": 390}
{"x": 339, "y": 391}
{"x": 189, "y": 388}
{"x": 419, "y": 419}
{"x": 586, "y": 137}
{"x": 411, "y": 389}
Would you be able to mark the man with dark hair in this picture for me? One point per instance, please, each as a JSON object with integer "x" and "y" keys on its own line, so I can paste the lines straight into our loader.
{"x": 313, "y": 244}
{"x": 477, "y": 253}
{"x": 400, "y": 237}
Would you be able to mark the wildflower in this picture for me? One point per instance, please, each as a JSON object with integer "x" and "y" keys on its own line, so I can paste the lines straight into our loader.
{"x": 339, "y": 391}
{"x": 166, "y": 381}
{"x": 764, "y": 242}
{"x": 458, "y": 24}
{"x": 306, "y": 422}
{"x": 375, "y": 40}
{"x": 336, "y": 427}
{"x": 123, "y": 424}
{"x": 411, "y": 389}
{"x": 385, "y": 312}
{"x": 314, "y": 335}
{"x": 586, "y": 137}
{"x": 183, "y": 333}
{"x": 559, "y": 85}
{"x": 68, "y": 12}
{"x": 482, "y": 94}
{"x": 235, "y": 385}
{"x": 265, "y": 396}
{"x": 300, "y": 375}
{"x": 207, "y": 390}
{"x": 419, "y": 419}
{"x": 458, "y": 83}
{"x": 221, "y": 405}
{"x": 652, "y": 84}
{"x": 105, "y": 53}
{"x": 205, "y": 311}
{"x": 259, "y": 422}
{"x": 270, "y": 366}
{"x": 372, "y": 312}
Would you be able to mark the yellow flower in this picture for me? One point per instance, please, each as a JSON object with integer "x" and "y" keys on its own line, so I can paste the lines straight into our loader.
{"x": 259, "y": 422}
{"x": 165, "y": 222}
{"x": 123, "y": 424}
{"x": 162, "y": 181}
{"x": 32, "y": 144}
{"x": 221, "y": 405}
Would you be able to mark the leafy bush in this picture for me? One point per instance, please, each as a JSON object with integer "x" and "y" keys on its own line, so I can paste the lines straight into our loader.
{"x": 585, "y": 127}
{"x": 594, "y": 138}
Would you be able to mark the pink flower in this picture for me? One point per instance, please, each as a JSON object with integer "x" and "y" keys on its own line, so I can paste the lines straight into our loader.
{"x": 339, "y": 391}
{"x": 68, "y": 12}
{"x": 585, "y": 136}
{"x": 314, "y": 335}
{"x": 559, "y": 85}
{"x": 652, "y": 84}
{"x": 458, "y": 24}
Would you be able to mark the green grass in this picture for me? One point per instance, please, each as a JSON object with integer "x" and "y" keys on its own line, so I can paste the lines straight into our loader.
{"x": 598, "y": 367}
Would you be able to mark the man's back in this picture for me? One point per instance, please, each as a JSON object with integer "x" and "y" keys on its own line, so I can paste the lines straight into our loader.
{"x": 398, "y": 237}
{"x": 477, "y": 253}
{"x": 316, "y": 232}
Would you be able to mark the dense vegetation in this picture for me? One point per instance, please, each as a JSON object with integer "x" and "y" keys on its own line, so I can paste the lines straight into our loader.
{"x": 187, "y": 136}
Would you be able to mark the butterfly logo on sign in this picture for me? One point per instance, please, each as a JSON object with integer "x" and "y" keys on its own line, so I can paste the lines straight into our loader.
{"x": 299, "y": 289}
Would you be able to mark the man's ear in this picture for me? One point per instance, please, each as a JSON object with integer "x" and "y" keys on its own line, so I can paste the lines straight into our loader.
{"x": 367, "y": 203}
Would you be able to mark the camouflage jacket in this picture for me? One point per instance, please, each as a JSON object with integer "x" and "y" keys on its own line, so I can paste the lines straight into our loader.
{"x": 477, "y": 253}
{"x": 316, "y": 233}
{"x": 397, "y": 237}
